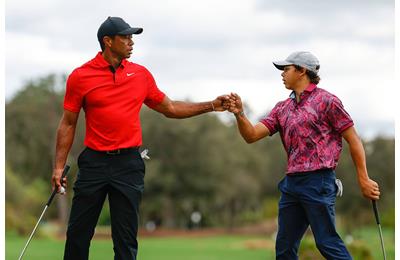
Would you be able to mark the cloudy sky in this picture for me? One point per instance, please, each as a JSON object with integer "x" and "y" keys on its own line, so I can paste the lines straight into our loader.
{"x": 201, "y": 49}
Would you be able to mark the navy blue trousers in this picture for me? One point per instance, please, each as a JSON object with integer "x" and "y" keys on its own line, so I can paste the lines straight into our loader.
{"x": 308, "y": 199}
{"x": 121, "y": 177}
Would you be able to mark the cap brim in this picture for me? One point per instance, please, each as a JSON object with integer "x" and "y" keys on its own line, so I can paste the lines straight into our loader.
{"x": 280, "y": 65}
{"x": 131, "y": 31}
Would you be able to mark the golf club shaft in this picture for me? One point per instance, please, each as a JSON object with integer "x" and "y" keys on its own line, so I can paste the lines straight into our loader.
{"x": 382, "y": 244}
{"x": 33, "y": 232}
{"x": 379, "y": 227}
{"x": 65, "y": 171}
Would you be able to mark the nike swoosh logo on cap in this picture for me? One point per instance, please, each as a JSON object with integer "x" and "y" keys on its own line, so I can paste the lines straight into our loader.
{"x": 130, "y": 74}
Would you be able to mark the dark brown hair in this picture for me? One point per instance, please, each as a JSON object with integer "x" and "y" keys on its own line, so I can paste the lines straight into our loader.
{"x": 312, "y": 76}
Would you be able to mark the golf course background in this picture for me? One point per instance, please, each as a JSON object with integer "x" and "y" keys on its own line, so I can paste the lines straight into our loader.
{"x": 232, "y": 247}
{"x": 201, "y": 176}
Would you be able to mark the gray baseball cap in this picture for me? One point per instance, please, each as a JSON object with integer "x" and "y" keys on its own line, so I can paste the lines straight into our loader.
{"x": 304, "y": 59}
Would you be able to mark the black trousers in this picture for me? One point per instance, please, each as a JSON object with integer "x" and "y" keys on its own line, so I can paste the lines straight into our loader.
{"x": 121, "y": 177}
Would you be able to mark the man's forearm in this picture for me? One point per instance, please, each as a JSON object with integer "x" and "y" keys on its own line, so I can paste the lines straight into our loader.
{"x": 245, "y": 127}
{"x": 358, "y": 155}
{"x": 369, "y": 188}
{"x": 65, "y": 137}
{"x": 181, "y": 109}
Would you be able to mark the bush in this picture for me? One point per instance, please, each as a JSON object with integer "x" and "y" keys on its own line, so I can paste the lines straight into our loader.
{"x": 270, "y": 208}
{"x": 357, "y": 249}
{"x": 23, "y": 203}
{"x": 105, "y": 218}
{"x": 388, "y": 218}
{"x": 308, "y": 250}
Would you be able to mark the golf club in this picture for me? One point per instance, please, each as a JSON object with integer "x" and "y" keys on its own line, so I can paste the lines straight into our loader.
{"x": 65, "y": 171}
{"x": 379, "y": 227}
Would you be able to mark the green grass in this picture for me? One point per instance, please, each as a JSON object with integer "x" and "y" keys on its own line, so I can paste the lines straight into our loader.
{"x": 211, "y": 248}
{"x": 370, "y": 236}
{"x": 188, "y": 248}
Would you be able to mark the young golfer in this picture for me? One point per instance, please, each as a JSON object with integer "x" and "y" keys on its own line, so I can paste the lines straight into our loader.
{"x": 311, "y": 123}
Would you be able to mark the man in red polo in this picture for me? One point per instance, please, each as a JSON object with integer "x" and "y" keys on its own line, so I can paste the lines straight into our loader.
{"x": 311, "y": 123}
{"x": 111, "y": 90}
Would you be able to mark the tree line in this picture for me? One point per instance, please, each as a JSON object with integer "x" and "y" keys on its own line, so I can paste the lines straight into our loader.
{"x": 199, "y": 164}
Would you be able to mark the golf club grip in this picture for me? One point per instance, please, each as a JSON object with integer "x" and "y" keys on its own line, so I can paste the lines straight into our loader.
{"x": 376, "y": 212}
{"x": 65, "y": 171}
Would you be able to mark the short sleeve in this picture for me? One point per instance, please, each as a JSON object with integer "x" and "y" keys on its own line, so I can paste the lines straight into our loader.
{"x": 154, "y": 95}
{"x": 73, "y": 93}
{"x": 338, "y": 117}
{"x": 271, "y": 120}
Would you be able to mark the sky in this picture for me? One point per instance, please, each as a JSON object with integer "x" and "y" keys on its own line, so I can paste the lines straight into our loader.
{"x": 198, "y": 50}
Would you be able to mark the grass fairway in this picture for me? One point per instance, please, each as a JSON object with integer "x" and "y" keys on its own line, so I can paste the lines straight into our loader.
{"x": 211, "y": 248}
{"x": 190, "y": 248}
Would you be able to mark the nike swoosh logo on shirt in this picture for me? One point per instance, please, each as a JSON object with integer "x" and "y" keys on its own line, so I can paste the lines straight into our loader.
{"x": 130, "y": 74}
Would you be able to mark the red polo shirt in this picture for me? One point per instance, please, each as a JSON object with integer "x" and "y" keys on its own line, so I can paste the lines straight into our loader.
{"x": 311, "y": 130}
{"x": 111, "y": 101}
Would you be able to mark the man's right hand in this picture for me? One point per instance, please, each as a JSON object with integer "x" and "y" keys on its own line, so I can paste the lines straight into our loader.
{"x": 65, "y": 137}
{"x": 56, "y": 180}
{"x": 220, "y": 103}
{"x": 370, "y": 189}
{"x": 236, "y": 105}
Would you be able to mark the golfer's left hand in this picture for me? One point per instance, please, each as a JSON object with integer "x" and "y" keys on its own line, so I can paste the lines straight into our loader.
{"x": 370, "y": 189}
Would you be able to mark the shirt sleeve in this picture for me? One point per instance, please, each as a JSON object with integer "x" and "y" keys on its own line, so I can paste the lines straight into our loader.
{"x": 154, "y": 95}
{"x": 338, "y": 116}
{"x": 73, "y": 93}
{"x": 271, "y": 121}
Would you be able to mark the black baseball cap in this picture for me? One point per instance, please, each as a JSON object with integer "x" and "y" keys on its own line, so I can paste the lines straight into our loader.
{"x": 116, "y": 26}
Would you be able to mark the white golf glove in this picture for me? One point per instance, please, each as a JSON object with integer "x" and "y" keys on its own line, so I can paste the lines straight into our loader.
{"x": 144, "y": 155}
{"x": 339, "y": 185}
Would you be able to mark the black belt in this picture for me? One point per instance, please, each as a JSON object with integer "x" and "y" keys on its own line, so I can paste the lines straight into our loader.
{"x": 118, "y": 151}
